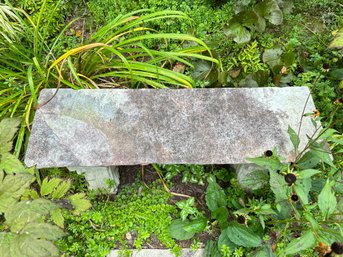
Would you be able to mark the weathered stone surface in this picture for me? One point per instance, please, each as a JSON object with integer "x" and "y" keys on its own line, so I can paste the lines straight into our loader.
{"x": 125, "y": 127}
{"x": 96, "y": 176}
{"x": 159, "y": 253}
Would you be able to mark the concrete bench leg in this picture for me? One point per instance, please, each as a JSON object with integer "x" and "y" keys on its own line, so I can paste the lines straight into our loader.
{"x": 96, "y": 176}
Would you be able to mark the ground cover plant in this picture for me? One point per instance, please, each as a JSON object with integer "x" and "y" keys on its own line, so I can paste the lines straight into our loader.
{"x": 292, "y": 209}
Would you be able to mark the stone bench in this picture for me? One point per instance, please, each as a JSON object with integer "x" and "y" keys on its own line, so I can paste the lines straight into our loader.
{"x": 94, "y": 131}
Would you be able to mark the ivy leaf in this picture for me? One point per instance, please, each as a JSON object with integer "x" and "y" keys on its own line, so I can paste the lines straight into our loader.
{"x": 304, "y": 242}
{"x": 327, "y": 201}
{"x": 8, "y": 128}
{"x": 11, "y": 164}
{"x": 338, "y": 40}
{"x": 243, "y": 236}
{"x": 294, "y": 138}
{"x": 80, "y": 204}
{"x": 177, "y": 230}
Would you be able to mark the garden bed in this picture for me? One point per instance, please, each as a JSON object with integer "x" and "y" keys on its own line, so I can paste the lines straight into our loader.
{"x": 296, "y": 209}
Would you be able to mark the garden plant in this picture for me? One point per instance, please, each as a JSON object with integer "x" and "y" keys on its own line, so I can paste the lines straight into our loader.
{"x": 284, "y": 209}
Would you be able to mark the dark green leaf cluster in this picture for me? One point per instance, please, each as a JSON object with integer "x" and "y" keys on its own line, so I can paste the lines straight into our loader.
{"x": 191, "y": 173}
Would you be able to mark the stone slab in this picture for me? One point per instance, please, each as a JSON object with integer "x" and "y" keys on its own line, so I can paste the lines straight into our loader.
{"x": 159, "y": 253}
{"x": 108, "y": 127}
{"x": 96, "y": 176}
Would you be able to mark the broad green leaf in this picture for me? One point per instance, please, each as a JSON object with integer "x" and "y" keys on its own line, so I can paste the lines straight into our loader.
{"x": 61, "y": 189}
{"x": 324, "y": 156}
{"x": 252, "y": 177}
{"x": 270, "y": 10}
{"x": 225, "y": 240}
{"x": 284, "y": 209}
{"x": 26, "y": 212}
{"x": 336, "y": 74}
{"x": 34, "y": 247}
{"x": 79, "y": 202}
{"x": 49, "y": 185}
{"x": 310, "y": 218}
{"x": 196, "y": 226}
{"x": 211, "y": 249}
{"x": 11, "y": 164}
{"x": 57, "y": 217}
{"x": 8, "y": 128}
{"x": 11, "y": 188}
{"x": 221, "y": 214}
{"x": 43, "y": 231}
{"x": 294, "y": 138}
{"x": 270, "y": 163}
{"x": 297, "y": 245}
{"x": 272, "y": 57}
{"x": 243, "y": 236}
{"x": 215, "y": 196}
{"x": 308, "y": 160}
{"x": 327, "y": 200}
{"x": 239, "y": 33}
{"x": 307, "y": 173}
{"x": 302, "y": 189}
{"x": 329, "y": 235}
{"x": 279, "y": 186}
{"x": 265, "y": 251}
{"x": 7, "y": 240}
{"x": 177, "y": 230}
{"x": 327, "y": 133}
{"x": 338, "y": 40}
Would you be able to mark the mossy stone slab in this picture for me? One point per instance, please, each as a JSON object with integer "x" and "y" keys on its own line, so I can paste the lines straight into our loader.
{"x": 108, "y": 127}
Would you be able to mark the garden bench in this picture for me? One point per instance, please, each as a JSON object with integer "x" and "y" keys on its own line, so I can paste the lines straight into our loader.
{"x": 96, "y": 130}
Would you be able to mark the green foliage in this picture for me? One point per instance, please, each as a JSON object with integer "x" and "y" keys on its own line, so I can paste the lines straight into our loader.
{"x": 301, "y": 205}
{"x": 216, "y": 201}
{"x": 192, "y": 221}
{"x": 245, "y": 21}
{"x": 25, "y": 229}
{"x": 190, "y": 173}
{"x": 250, "y": 59}
{"x": 115, "y": 54}
{"x": 187, "y": 209}
{"x": 136, "y": 214}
